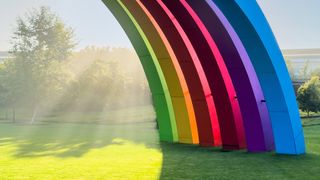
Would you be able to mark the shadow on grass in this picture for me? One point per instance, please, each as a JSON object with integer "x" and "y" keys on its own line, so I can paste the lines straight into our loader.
{"x": 192, "y": 162}
{"x": 71, "y": 140}
{"x": 179, "y": 161}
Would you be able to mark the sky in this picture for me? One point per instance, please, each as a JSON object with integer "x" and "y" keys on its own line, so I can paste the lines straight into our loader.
{"x": 296, "y": 23}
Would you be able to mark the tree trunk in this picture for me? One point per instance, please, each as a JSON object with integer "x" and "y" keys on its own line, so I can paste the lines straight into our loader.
{"x": 308, "y": 114}
{"x": 14, "y": 114}
{"x": 6, "y": 115}
{"x": 34, "y": 115}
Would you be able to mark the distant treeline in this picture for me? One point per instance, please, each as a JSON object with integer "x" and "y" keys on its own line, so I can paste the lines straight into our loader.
{"x": 44, "y": 74}
{"x": 92, "y": 79}
{"x": 104, "y": 78}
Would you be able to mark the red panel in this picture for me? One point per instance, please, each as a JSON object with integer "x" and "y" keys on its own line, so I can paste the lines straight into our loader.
{"x": 208, "y": 126}
{"x": 220, "y": 83}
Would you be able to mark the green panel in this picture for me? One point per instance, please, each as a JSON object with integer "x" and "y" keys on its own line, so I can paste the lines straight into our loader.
{"x": 166, "y": 61}
{"x": 161, "y": 98}
{"x": 160, "y": 101}
{"x": 152, "y": 75}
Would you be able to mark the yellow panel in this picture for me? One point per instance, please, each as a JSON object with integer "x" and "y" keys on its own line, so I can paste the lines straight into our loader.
{"x": 182, "y": 105}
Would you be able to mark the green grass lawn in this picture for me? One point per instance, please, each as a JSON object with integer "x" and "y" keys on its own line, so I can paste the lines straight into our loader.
{"x": 133, "y": 151}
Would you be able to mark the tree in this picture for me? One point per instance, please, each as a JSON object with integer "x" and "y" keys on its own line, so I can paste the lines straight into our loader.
{"x": 105, "y": 79}
{"x": 291, "y": 70}
{"x": 40, "y": 43}
{"x": 316, "y": 72}
{"x": 304, "y": 73}
{"x": 3, "y": 90}
{"x": 99, "y": 79}
{"x": 309, "y": 96}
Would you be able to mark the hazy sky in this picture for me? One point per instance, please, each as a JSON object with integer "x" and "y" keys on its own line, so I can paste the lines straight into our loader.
{"x": 296, "y": 23}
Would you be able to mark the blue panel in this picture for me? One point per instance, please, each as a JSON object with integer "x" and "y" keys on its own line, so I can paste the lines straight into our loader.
{"x": 252, "y": 27}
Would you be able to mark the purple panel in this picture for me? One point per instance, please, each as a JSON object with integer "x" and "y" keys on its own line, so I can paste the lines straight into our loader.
{"x": 255, "y": 114}
{"x": 223, "y": 92}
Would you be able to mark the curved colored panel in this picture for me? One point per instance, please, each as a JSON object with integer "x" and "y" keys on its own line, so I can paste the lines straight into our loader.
{"x": 256, "y": 119}
{"x": 156, "y": 80}
{"x": 228, "y": 110}
{"x": 253, "y": 29}
{"x": 187, "y": 129}
{"x": 208, "y": 126}
{"x": 220, "y": 47}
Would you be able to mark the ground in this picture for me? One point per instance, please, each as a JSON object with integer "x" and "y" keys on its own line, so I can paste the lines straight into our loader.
{"x": 133, "y": 151}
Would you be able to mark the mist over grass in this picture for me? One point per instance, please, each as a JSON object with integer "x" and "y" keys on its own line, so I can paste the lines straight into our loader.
{"x": 46, "y": 77}
{"x": 97, "y": 83}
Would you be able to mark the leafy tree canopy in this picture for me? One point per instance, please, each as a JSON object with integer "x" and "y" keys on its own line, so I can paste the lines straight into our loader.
{"x": 309, "y": 95}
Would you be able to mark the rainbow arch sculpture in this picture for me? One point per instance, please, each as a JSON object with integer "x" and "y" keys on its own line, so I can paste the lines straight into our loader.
{"x": 216, "y": 73}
